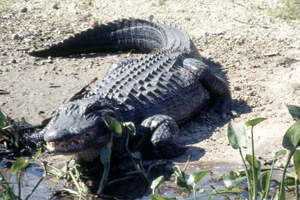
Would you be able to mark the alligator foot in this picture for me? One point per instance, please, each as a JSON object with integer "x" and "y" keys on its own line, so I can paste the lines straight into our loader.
{"x": 164, "y": 132}
{"x": 221, "y": 105}
{"x": 217, "y": 88}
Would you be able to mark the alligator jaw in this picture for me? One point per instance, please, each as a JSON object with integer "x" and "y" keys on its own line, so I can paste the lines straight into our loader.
{"x": 73, "y": 145}
{"x": 56, "y": 146}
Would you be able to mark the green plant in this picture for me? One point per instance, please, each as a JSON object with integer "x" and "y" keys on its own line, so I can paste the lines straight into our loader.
{"x": 18, "y": 166}
{"x": 289, "y": 11}
{"x": 291, "y": 141}
{"x": 72, "y": 172}
{"x": 259, "y": 183}
{"x": 11, "y": 134}
{"x": 162, "y": 2}
{"x": 116, "y": 130}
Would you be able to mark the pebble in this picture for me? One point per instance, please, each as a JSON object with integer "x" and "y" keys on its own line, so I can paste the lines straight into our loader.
{"x": 94, "y": 24}
{"x": 215, "y": 31}
{"x": 15, "y": 36}
{"x": 24, "y": 10}
{"x": 55, "y": 6}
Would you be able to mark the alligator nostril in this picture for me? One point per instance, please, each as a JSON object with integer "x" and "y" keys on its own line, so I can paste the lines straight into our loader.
{"x": 51, "y": 136}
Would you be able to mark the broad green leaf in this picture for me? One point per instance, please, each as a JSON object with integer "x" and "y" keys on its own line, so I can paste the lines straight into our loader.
{"x": 113, "y": 124}
{"x": 106, "y": 153}
{"x": 279, "y": 153}
{"x": 296, "y": 158}
{"x": 196, "y": 177}
{"x": 155, "y": 197}
{"x": 231, "y": 180}
{"x": 291, "y": 139}
{"x": 10, "y": 194}
{"x": 130, "y": 127}
{"x": 237, "y": 135}
{"x": 294, "y": 111}
{"x": 20, "y": 164}
{"x": 256, "y": 163}
{"x": 156, "y": 183}
{"x": 263, "y": 182}
{"x": 140, "y": 145}
{"x": 290, "y": 179}
{"x": 255, "y": 121}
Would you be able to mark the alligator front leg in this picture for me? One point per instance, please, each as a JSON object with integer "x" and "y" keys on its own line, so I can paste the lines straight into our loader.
{"x": 164, "y": 132}
{"x": 217, "y": 88}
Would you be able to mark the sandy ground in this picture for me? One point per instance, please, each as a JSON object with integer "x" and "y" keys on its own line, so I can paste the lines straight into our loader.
{"x": 258, "y": 54}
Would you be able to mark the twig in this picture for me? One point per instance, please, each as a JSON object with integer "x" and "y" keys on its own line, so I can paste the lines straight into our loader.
{"x": 241, "y": 5}
{"x": 262, "y": 26}
{"x": 217, "y": 192}
{"x": 2, "y": 92}
{"x": 82, "y": 92}
{"x": 187, "y": 162}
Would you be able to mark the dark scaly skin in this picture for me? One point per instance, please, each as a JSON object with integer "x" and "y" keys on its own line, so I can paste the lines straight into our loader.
{"x": 157, "y": 92}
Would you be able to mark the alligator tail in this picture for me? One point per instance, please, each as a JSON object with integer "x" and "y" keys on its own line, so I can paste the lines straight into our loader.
{"x": 125, "y": 34}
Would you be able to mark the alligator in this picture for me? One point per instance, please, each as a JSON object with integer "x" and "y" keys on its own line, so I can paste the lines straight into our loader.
{"x": 158, "y": 92}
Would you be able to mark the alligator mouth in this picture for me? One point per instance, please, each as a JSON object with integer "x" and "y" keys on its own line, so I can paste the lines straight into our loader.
{"x": 75, "y": 144}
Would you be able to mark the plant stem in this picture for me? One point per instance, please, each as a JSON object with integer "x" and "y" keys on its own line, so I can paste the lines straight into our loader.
{"x": 253, "y": 165}
{"x": 32, "y": 191}
{"x": 3, "y": 178}
{"x": 268, "y": 187}
{"x": 103, "y": 179}
{"x": 106, "y": 170}
{"x": 247, "y": 174}
{"x": 149, "y": 169}
{"x": 143, "y": 173}
{"x": 194, "y": 191}
{"x": 19, "y": 183}
{"x": 281, "y": 188}
{"x": 75, "y": 181}
{"x": 296, "y": 188}
{"x": 120, "y": 179}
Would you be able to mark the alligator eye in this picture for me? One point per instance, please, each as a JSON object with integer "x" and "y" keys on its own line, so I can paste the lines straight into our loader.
{"x": 92, "y": 108}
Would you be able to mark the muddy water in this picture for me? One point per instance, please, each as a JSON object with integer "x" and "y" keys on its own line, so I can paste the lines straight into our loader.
{"x": 34, "y": 172}
{"x": 29, "y": 178}
{"x": 168, "y": 189}
{"x": 49, "y": 185}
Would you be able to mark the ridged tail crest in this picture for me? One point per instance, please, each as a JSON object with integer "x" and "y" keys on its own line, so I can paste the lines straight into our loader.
{"x": 124, "y": 34}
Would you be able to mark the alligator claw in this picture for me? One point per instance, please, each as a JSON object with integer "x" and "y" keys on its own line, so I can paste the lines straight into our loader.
{"x": 223, "y": 106}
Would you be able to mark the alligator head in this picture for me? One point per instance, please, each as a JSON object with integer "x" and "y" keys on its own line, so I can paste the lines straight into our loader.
{"x": 77, "y": 128}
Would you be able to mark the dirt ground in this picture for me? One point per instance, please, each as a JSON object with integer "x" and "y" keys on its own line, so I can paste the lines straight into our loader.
{"x": 258, "y": 54}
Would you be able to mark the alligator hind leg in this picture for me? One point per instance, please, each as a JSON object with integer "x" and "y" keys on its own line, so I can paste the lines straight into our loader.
{"x": 217, "y": 88}
{"x": 164, "y": 133}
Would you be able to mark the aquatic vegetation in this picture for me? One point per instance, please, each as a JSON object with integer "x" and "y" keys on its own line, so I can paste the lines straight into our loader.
{"x": 7, "y": 190}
